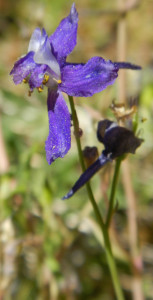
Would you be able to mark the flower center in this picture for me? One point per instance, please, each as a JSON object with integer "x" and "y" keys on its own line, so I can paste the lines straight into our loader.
{"x": 39, "y": 44}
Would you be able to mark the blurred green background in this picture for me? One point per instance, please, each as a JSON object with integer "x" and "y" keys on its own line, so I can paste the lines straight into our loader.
{"x": 50, "y": 249}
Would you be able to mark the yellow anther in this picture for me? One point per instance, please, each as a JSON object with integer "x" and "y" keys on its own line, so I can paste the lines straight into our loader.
{"x": 25, "y": 80}
{"x": 57, "y": 80}
{"x": 46, "y": 78}
{"x": 40, "y": 89}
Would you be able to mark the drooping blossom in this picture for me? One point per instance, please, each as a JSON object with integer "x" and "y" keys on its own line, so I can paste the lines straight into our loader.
{"x": 117, "y": 141}
{"x": 45, "y": 65}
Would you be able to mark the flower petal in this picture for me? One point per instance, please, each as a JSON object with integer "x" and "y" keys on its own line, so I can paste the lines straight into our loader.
{"x": 59, "y": 139}
{"x": 23, "y": 67}
{"x": 88, "y": 174}
{"x": 44, "y": 55}
{"x": 84, "y": 80}
{"x": 37, "y": 76}
{"x": 63, "y": 40}
{"x": 37, "y": 39}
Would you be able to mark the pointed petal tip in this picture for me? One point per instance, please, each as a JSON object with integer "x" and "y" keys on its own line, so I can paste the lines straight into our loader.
{"x": 73, "y": 9}
{"x": 11, "y": 72}
{"x": 68, "y": 195}
{"x": 73, "y": 12}
{"x": 43, "y": 31}
{"x": 127, "y": 65}
{"x": 50, "y": 160}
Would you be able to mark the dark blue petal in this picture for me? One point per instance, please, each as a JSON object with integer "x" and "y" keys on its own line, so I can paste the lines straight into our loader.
{"x": 84, "y": 80}
{"x": 23, "y": 67}
{"x": 63, "y": 40}
{"x": 37, "y": 76}
{"x": 127, "y": 65}
{"x": 59, "y": 139}
{"x": 87, "y": 175}
{"x": 27, "y": 66}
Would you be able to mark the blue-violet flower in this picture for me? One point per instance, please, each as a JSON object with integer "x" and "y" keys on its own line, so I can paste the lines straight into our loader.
{"x": 45, "y": 64}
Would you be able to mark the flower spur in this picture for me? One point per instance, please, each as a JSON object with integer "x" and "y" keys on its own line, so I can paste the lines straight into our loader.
{"x": 45, "y": 65}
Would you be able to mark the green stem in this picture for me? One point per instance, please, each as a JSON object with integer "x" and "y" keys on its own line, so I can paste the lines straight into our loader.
{"x": 76, "y": 132}
{"x": 113, "y": 191}
{"x": 109, "y": 254}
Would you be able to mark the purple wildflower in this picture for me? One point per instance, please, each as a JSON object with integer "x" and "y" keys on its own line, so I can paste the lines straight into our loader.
{"x": 45, "y": 64}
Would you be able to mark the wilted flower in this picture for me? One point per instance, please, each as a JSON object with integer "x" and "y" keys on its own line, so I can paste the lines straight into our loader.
{"x": 45, "y": 65}
{"x": 117, "y": 141}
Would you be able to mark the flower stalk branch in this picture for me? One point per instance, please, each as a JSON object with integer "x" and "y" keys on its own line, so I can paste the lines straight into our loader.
{"x": 108, "y": 248}
{"x": 113, "y": 191}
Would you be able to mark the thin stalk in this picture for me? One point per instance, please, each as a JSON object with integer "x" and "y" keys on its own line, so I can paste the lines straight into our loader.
{"x": 76, "y": 132}
{"x": 136, "y": 284}
{"x": 109, "y": 254}
{"x": 113, "y": 191}
{"x": 4, "y": 161}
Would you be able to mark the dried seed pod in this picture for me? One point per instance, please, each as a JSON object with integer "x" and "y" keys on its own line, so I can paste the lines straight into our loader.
{"x": 90, "y": 155}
